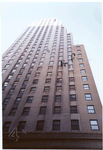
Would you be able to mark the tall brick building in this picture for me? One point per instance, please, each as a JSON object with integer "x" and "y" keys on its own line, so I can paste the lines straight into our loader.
{"x": 49, "y": 95}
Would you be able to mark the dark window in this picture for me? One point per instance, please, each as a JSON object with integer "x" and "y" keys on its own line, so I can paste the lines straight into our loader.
{"x": 39, "y": 68}
{"x": 49, "y": 74}
{"x": 42, "y": 110}
{"x": 73, "y": 109}
{"x": 29, "y": 99}
{"x": 58, "y": 98}
{"x": 26, "y": 111}
{"x": 13, "y": 112}
{"x": 40, "y": 125}
{"x": 73, "y": 97}
{"x": 22, "y": 90}
{"x": 57, "y": 110}
{"x": 17, "y": 101}
{"x": 6, "y": 126}
{"x": 59, "y": 73}
{"x": 21, "y": 125}
{"x": 45, "y": 98}
{"x": 74, "y": 125}
{"x": 59, "y": 89}
{"x": 72, "y": 87}
{"x": 59, "y": 80}
{"x": 33, "y": 89}
{"x": 56, "y": 124}
{"x": 25, "y": 82}
{"x": 71, "y": 79}
{"x": 35, "y": 81}
{"x": 48, "y": 81}
{"x": 37, "y": 74}
{"x": 46, "y": 89}
{"x": 50, "y": 67}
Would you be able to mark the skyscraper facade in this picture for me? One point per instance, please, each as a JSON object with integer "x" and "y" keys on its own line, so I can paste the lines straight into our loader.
{"x": 49, "y": 95}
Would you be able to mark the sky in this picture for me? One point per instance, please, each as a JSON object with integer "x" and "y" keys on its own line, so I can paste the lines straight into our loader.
{"x": 82, "y": 19}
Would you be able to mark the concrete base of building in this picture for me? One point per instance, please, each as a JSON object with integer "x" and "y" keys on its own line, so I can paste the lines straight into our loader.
{"x": 53, "y": 141}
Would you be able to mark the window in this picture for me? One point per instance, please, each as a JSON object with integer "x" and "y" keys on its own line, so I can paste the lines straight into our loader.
{"x": 26, "y": 111}
{"x": 42, "y": 59}
{"x": 52, "y": 53}
{"x": 35, "y": 81}
{"x": 48, "y": 81}
{"x": 21, "y": 125}
{"x": 42, "y": 110}
{"x": 13, "y": 70}
{"x": 37, "y": 74}
{"x": 86, "y": 86}
{"x": 58, "y": 98}
{"x": 39, "y": 68}
{"x": 71, "y": 72}
{"x": 49, "y": 74}
{"x": 80, "y": 59}
{"x": 59, "y": 80}
{"x": 56, "y": 124}
{"x": 33, "y": 89}
{"x": 70, "y": 66}
{"x": 51, "y": 63}
{"x": 90, "y": 109}
{"x": 78, "y": 51}
{"x": 13, "y": 111}
{"x": 51, "y": 58}
{"x": 43, "y": 54}
{"x": 17, "y": 65}
{"x": 82, "y": 71}
{"x": 19, "y": 60}
{"x": 71, "y": 79}
{"x": 81, "y": 65}
{"x": 50, "y": 68}
{"x": 22, "y": 90}
{"x": 73, "y": 109}
{"x": 61, "y": 50}
{"x": 45, "y": 98}
{"x": 74, "y": 125}
{"x": 72, "y": 87}
{"x": 25, "y": 82}
{"x": 59, "y": 73}
{"x": 7, "y": 66}
{"x": 46, "y": 89}
{"x": 84, "y": 78}
{"x": 4, "y": 70}
{"x": 60, "y": 53}
{"x": 11, "y": 91}
{"x": 69, "y": 57}
{"x": 70, "y": 61}
{"x": 60, "y": 57}
{"x": 5, "y": 102}
{"x": 73, "y": 97}
{"x": 57, "y": 110}
{"x": 79, "y": 55}
{"x": 6, "y": 126}
{"x": 59, "y": 89}
{"x": 69, "y": 53}
{"x": 10, "y": 60}
{"x": 78, "y": 47}
{"x": 88, "y": 97}
{"x": 10, "y": 76}
{"x": 17, "y": 101}
{"x": 29, "y": 99}
{"x": 15, "y": 83}
{"x": 32, "y": 64}
{"x": 21, "y": 70}
{"x": 40, "y": 125}
{"x": 6, "y": 83}
{"x": 41, "y": 63}
{"x": 19, "y": 76}
{"x": 94, "y": 125}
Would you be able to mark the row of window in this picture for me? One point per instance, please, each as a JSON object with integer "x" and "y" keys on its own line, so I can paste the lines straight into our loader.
{"x": 55, "y": 126}
{"x": 57, "y": 110}
{"x": 45, "y": 98}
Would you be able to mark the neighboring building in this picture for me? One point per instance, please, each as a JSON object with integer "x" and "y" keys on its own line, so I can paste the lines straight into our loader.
{"x": 49, "y": 95}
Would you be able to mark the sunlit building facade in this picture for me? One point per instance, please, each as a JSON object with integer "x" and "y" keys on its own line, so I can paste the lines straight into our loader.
{"x": 49, "y": 95}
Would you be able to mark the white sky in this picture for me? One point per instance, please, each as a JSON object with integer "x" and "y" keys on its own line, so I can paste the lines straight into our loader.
{"x": 82, "y": 19}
